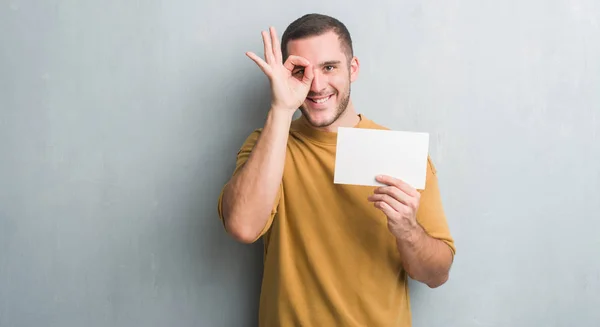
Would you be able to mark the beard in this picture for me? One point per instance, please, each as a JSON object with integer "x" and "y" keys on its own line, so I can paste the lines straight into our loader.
{"x": 344, "y": 99}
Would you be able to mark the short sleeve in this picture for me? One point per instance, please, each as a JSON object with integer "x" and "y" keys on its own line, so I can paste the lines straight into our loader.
{"x": 431, "y": 214}
{"x": 242, "y": 156}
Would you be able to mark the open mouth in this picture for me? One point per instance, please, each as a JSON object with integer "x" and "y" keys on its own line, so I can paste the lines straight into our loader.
{"x": 321, "y": 99}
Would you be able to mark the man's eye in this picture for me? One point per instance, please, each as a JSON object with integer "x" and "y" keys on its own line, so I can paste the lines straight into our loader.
{"x": 299, "y": 71}
{"x": 329, "y": 67}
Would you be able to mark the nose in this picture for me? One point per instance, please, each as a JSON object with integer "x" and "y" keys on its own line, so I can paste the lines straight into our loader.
{"x": 319, "y": 81}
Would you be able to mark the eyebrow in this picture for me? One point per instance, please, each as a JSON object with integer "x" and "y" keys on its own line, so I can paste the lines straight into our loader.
{"x": 330, "y": 62}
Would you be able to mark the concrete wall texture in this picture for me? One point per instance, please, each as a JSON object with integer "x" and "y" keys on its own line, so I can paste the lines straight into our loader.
{"x": 120, "y": 122}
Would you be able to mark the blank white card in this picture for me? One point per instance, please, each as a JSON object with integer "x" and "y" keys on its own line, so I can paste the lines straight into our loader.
{"x": 362, "y": 154}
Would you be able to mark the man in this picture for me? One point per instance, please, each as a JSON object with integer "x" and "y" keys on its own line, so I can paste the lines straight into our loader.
{"x": 335, "y": 255}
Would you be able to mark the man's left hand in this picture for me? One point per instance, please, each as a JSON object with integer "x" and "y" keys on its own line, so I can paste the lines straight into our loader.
{"x": 400, "y": 203}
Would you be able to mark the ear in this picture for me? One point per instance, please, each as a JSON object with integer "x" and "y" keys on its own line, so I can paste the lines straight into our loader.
{"x": 354, "y": 68}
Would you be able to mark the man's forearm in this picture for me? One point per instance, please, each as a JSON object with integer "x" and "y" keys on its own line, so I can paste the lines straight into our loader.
{"x": 249, "y": 197}
{"x": 425, "y": 258}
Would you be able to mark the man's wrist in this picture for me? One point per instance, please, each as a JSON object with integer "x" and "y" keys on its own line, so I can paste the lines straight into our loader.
{"x": 284, "y": 114}
{"x": 284, "y": 110}
{"x": 410, "y": 234}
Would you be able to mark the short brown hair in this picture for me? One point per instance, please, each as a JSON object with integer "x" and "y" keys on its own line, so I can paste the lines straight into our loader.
{"x": 315, "y": 25}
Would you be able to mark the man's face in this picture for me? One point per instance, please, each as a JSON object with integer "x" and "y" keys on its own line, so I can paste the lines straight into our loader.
{"x": 330, "y": 89}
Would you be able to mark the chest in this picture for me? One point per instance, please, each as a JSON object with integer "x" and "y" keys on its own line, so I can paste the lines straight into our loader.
{"x": 310, "y": 191}
{"x": 318, "y": 215}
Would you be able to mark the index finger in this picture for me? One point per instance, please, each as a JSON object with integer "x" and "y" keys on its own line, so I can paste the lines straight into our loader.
{"x": 294, "y": 61}
{"x": 400, "y": 184}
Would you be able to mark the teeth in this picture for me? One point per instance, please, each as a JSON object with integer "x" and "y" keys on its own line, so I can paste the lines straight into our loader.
{"x": 322, "y": 100}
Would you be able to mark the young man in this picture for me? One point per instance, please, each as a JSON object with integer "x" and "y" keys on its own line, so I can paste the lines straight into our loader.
{"x": 335, "y": 255}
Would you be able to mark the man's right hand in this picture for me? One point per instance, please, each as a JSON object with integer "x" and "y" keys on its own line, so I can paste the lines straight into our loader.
{"x": 290, "y": 81}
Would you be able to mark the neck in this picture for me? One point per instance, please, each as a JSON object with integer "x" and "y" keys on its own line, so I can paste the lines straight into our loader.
{"x": 348, "y": 119}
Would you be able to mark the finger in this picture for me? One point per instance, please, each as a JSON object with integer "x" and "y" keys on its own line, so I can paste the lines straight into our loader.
{"x": 390, "y": 201}
{"x": 276, "y": 45}
{"x": 293, "y": 61}
{"x": 400, "y": 184}
{"x": 398, "y": 195}
{"x": 309, "y": 74}
{"x": 269, "y": 58}
{"x": 387, "y": 210}
{"x": 261, "y": 63}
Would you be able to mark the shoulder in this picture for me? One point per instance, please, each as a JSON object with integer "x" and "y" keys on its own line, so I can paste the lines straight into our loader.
{"x": 371, "y": 124}
{"x": 251, "y": 140}
{"x": 253, "y": 136}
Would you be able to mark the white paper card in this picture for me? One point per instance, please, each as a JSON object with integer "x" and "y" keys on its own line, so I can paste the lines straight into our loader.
{"x": 362, "y": 154}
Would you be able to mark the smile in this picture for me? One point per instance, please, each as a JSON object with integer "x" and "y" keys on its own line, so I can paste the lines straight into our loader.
{"x": 321, "y": 100}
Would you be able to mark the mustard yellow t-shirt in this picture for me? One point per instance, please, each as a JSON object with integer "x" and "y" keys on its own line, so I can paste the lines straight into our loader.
{"x": 329, "y": 258}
